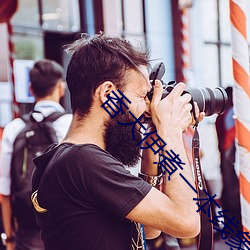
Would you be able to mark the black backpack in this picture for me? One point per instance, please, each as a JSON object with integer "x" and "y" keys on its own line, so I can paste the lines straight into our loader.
{"x": 37, "y": 135}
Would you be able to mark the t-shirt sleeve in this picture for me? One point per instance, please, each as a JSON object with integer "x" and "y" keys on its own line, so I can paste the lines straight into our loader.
{"x": 107, "y": 183}
{"x": 10, "y": 133}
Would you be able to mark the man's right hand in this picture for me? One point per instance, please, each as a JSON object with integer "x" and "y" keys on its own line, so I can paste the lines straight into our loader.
{"x": 172, "y": 113}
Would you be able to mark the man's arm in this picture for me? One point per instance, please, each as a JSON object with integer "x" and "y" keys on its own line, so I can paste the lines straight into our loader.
{"x": 7, "y": 220}
{"x": 173, "y": 211}
{"x": 147, "y": 167}
{"x": 9, "y": 134}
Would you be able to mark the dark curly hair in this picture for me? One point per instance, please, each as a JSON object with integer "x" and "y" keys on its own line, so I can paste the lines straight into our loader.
{"x": 97, "y": 59}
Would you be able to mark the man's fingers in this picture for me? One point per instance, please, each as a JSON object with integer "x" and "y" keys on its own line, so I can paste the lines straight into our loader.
{"x": 177, "y": 90}
{"x": 157, "y": 93}
{"x": 186, "y": 98}
{"x": 196, "y": 109}
{"x": 199, "y": 115}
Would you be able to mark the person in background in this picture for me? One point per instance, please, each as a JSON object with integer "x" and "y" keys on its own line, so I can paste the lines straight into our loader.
{"x": 48, "y": 86}
{"x": 225, "y": 126}
{"x": 210, "y": 162}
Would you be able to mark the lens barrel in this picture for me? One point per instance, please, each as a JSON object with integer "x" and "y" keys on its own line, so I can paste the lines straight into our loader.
{"x": 210, "y": 101}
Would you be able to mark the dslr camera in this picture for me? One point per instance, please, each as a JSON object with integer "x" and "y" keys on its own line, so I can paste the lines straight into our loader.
{"x": 210, "y": 101}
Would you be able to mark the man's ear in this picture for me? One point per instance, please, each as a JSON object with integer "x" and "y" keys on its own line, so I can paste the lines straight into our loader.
{"x": 31, "y": 90}
{"x": 62, "y": 88}
{"x": 104, "y": 90}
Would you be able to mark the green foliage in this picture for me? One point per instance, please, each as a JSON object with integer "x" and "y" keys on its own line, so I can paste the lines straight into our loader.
{"x": 25, "y": 49}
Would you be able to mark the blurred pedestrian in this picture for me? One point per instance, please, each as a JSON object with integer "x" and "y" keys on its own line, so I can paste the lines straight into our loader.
{"x": 225, "y": 126}
{"x": 47, "y": 85}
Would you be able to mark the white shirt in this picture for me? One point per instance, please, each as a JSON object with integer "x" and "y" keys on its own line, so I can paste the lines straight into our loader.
{"x": 210, "y": 160}
{"x": 11, "y": 131}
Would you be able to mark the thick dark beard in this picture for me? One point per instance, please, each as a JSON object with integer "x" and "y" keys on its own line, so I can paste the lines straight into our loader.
{"x": 119, "y": 141}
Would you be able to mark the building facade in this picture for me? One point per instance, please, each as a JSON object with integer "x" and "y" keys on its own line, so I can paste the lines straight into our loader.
{"x": 193, "y": 42}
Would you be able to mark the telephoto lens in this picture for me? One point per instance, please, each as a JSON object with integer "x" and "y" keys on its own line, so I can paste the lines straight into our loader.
{"x": 210, "y": 101}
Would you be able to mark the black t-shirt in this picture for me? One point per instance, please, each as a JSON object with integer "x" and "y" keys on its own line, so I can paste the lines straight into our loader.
{"x": 88, "y": 194}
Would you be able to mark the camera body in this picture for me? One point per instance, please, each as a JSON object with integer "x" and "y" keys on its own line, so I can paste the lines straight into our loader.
{"x": 210, "y": 101}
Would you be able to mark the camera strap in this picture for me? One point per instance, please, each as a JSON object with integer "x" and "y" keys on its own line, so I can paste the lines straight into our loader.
{"x": 205, "y": 239}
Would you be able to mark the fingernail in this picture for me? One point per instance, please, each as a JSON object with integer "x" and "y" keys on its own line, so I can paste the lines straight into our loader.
{"x": 156, "y": 83}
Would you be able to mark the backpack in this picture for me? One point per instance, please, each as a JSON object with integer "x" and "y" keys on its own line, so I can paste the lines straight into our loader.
{"x": 37, "y": 135}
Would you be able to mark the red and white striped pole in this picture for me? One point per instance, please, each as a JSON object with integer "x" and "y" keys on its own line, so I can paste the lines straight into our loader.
{"x": 15, "y": 106}
{"x": 185, "y": 64}
{"x": 185, "y": 55}
{"x": 241, "y": 95}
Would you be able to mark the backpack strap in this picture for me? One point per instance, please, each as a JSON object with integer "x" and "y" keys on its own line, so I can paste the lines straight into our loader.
{"x": 54, "y": 116}
{"x": 47, "y": 123}
{"x": 43, "y": 123}
{"x": 50, "y": 118}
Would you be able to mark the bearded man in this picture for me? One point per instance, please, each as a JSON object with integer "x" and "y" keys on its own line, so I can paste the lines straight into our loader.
{"x": 84, "y": 196}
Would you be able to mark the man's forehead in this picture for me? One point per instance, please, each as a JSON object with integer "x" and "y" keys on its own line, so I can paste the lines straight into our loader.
{"x": 146, "y": 83}
{"x": 138, "y": 80}
{"x": 143, "y": 70}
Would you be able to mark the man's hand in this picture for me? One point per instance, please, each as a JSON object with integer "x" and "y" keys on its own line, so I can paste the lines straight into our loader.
{"x": 199, "y": 115}
{"x": 172, "y": 113}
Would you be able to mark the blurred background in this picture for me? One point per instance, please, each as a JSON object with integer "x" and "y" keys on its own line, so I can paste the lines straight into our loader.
{"x": 192, "y": 38}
